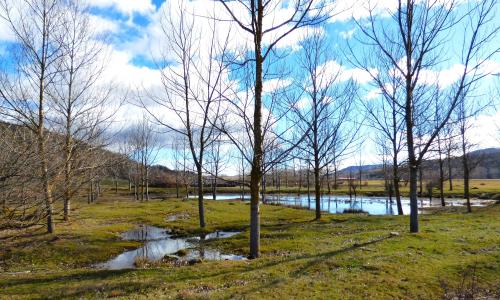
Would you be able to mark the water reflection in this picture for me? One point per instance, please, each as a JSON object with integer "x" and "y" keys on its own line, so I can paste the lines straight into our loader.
{"x": 159, "y": 243}
{"x": 373, "y": 205}
{"x": 338, "y": 203}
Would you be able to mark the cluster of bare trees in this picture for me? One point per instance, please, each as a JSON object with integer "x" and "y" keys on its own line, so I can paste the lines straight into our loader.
{"x": 216, "y": 102}
{"x": 141, "y": 147}
{"x": 52, "y": 98}
{"x": 401, "y": 59}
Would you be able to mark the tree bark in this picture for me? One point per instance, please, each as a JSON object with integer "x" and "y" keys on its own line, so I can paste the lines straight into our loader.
{"x": 317, "y": 190}
{"x": 465, "y": 165}
{"x": 441, "y": 175}
{"x": 201, "y": 209}
{"x": 41, "y": 147}
{"x": 450, "y": 179}
{"x": 395, "y": 175}
{"x": 147, "y": 183}
{"x": 256, "y": 172}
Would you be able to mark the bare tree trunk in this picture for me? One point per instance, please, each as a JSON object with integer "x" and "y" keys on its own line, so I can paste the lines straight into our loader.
{"x": 201, "y": 209}
{"x": 142, "y": 182}
{"x": 420, "y": 181}
{"x": 92, "y": 191}
{"x": 177, "y": 189}
{"x": 317, "y": 190}
{"x": 465, "y": 165}
{"x": 214, "y": 188}
{"x": 136, "y": 191}
{"x": 335, "y": 185}
{"x": 256, "y": 172}
{"x": 42, "y": 153}
{"x": 300, "y": 179}
{"x": 67, "y": 180}
{"x": 395, "y": 177}
{"x": 441, "y": 173}
{"x": 328, "y": 179}
{"x": 450, "y": 176}
{"x": 308, "y": 183}
{"x": 147, "y": 183}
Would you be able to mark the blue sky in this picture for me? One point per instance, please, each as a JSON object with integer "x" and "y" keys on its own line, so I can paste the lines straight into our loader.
{"x": 132, "y": 29}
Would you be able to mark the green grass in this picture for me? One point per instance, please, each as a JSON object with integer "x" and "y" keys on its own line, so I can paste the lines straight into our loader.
{"x": 485, "y": 188}
{"x": 339, "y": 257}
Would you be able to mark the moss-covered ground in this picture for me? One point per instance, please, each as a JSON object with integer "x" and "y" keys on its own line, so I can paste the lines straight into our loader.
{"x": 339, "y": 257}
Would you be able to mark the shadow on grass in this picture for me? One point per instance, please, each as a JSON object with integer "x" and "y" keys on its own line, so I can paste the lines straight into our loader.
{"x": 100, "y": 282}
{"x": 314, "y": 259}
{"x": 87, "y": 275}
{"x": 75, "y": 286}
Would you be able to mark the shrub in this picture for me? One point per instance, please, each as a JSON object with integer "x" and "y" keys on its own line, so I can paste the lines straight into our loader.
{"x": 354, "y": 211}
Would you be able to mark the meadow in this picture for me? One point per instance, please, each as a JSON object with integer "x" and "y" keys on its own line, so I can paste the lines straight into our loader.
{"x": 479, "y": 188}
{"x": 345, "y": 256}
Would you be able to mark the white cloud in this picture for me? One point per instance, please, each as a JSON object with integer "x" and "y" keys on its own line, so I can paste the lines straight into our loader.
{"x": 272, "y": 85}
{"x": 127, "y": 7}
{"x": 485, "y": 131}
{"x": 345, "y": 10}
{"x": 347, "y": 34}
{"x": 5, "y": 31}
{"x": 443, "y": 78}
{"x": 333, "y": 68}
{"x": 373, "y": 94}
{"x": 103, "y": 25}
{"x": 490, "y": 67}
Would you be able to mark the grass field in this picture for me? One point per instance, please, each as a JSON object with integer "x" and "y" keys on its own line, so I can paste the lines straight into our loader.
{"x": 479, "y": 188}
{"x": 339, "y": 257}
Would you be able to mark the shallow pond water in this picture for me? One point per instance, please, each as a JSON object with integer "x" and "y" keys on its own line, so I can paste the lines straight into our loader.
{"x": 159, "y": 243}
{"x": 337, "y": 204}
{"x": 373, "y": 205}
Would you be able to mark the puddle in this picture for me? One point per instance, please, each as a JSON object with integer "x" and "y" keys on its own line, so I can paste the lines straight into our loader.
{"x": 145, "y": 233}
{"x": 159, "y": 243}
{"x": 176, "y": 217}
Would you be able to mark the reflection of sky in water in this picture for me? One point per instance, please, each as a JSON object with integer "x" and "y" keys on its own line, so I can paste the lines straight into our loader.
{"x": 159, "y": 243}
{"x": 224, "y": 196}
{"x": 373, "y": 205}
{"x": 338, "y": 203}
{"x": 145, "y": 233}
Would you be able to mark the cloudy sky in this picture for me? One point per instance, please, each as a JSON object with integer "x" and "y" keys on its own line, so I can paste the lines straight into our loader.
{"x": 133, "y": 30}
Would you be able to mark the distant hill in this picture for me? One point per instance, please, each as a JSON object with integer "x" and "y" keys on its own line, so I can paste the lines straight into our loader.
{"x": 114, "y": 165}
{"x": 364, "y": 168}
{"x": 486, "y": 166}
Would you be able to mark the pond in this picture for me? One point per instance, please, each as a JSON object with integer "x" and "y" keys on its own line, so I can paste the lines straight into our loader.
{"x": 160, "y": 243}
{"x": 336, "y": 204}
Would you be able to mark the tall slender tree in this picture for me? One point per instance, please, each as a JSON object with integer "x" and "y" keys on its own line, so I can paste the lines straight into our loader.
{"x": 258, "y": 19}
{"x": 38, "y": 29}
{"x": 324, "y": 110}
{"x": 414, "y": 48}
{"x": 193, "y": 77}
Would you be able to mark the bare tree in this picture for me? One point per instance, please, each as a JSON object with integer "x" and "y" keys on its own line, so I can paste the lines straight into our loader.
{"x": 324, "y": 112}
{"x": 468, "y": 109}
{"x": 415, "y": 48}
{"x": 77, "y": 98}
{"x": 144, "y": 147}
{"x": 385, "y": 115}
{"x": 442, "y": 176}
{"x": 38, "y": 27}
{"x": 21, "y": 203}
{"x": 192, "y": 84}
{"x": 304, "y": 13}
{"x": 217, "y": 159}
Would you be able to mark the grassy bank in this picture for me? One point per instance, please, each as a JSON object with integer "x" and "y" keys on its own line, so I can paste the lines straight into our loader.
{"x": 479, "y": 188}
{"x": 339, "y": 257}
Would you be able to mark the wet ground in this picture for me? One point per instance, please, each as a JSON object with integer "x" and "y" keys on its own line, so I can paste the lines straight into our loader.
{"x": 160, "y": 243}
